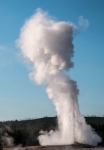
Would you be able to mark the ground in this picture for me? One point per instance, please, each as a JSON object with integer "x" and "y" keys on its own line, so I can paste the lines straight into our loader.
{"x": 52, "y": 148}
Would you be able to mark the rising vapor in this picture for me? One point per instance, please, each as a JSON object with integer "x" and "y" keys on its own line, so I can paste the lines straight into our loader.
{"x": 48, "y": 45}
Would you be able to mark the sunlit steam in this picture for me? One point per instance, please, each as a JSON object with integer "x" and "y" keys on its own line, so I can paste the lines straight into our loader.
{"x": 48, "y": 45}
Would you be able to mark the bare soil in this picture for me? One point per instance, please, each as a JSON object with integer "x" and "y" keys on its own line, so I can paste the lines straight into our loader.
{"x": 52, "y": 148}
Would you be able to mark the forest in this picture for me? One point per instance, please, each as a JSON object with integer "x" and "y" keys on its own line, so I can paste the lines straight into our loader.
{"x": 25, "y": 132}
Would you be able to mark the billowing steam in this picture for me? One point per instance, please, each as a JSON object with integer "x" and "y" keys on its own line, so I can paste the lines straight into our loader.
{"x": 48, "y": 45}
{"x": 5, "y": 139}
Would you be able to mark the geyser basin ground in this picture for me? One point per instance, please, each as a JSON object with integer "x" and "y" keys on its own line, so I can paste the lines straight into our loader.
{"x": 61, "y": 147}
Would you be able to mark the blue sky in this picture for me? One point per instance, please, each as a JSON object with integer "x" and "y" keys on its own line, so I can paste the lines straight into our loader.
{"x": 19, "y": 97}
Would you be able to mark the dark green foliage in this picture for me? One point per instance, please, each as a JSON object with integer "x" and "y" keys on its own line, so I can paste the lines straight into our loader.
{"x": 1, "y": 143}
{"x": 95, "y": 120}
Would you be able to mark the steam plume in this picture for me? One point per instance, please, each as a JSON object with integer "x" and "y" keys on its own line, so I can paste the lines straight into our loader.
{"x": 83, "y": 23}
{"x": 48, "y": 45}
{"x": 6, "y": 139}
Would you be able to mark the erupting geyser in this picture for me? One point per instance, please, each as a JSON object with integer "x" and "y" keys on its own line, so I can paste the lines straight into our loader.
{"x": 48, "y": 45}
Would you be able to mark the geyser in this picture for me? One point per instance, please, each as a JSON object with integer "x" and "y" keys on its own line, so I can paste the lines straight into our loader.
{"x": 48, "y": 45}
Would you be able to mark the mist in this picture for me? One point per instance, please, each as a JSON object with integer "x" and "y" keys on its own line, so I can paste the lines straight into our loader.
{"x": 48, "y": 45}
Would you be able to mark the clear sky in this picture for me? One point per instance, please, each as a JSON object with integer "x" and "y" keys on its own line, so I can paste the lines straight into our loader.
{"x": 19, "y": 97}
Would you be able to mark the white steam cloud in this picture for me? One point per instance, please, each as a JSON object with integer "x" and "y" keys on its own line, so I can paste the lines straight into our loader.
{"x": 83, "y": 23}
{"x": 48, "y": 45}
